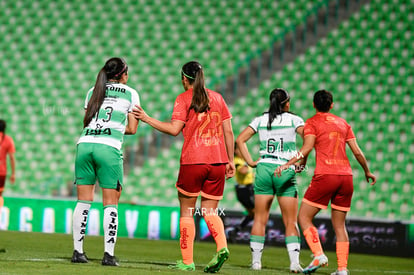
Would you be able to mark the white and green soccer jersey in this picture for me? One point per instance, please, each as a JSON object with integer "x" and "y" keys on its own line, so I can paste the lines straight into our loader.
{"x": 108, "y": 125}
{"x": 277, "y": 145}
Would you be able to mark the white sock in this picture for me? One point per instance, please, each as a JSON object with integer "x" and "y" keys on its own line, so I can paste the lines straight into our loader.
{"x": 293, "y": 250}
{"x": 257, "y": 250}
{"x": 80, "y": 220}
{"x": 110, "y": 223}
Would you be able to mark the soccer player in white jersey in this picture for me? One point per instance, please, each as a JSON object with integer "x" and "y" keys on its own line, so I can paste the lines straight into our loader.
{"x": 107, "y": 118}
{"x": 277, "y": 130}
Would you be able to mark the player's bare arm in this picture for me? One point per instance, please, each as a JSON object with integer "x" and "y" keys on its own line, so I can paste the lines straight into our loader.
{"x": 229, "y": 140}
{"x": 132, "y": 126}
{"x": 241, "y": 140}
{"x": 13, "y": 168}
{"x": 308, "y": 143}
{"x": 300, "y": 166}
{"x": 359, "y": 155}
{"x": 172, "y": 128}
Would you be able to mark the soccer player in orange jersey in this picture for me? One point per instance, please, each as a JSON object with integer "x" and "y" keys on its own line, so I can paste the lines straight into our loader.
{"x": 332, "y": 180}
{"x": 6, "y": 148}
{"x": 207, "y": 157}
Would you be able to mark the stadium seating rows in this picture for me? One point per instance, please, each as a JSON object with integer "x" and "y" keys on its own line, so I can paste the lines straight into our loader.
{"x": 371, "y": 92}
{"x": 52, "y": 52}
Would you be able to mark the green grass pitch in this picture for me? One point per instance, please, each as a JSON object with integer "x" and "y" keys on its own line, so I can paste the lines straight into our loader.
{"x": 40, "y": 253}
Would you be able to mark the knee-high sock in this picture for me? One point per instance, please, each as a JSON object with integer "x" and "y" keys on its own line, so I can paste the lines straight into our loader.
{"x": 256, "y": 246}
{"x": 110, "y": 224}
{"x": 187, "y": 235}
{"x": 79, "y": 222}
{"x": 312, "y": 238}
{"x": 293, "y": 248}
{"x": 342, "y": 253}
{"x": 216, "y": 227}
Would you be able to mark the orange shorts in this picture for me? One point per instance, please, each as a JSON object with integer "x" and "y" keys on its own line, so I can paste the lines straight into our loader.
{"x": 205, "y": 179}
{"x": 335, "y": 188}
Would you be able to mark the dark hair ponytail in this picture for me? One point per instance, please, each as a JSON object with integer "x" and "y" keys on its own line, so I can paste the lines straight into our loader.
{"x": 278, "y": 99}
{"x": 112, "y": 70}
{"x": 195, "y": 75}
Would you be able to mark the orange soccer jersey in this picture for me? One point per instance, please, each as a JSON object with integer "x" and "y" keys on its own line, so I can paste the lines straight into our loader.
{"x": 6, "y": 147}
{"x": 332, "y": 133}
{"x": 203, "y": 132}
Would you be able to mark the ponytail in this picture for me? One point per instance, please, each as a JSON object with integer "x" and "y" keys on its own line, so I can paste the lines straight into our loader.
{"x": 200, "y": 101}
{"x": 278, "y": 99}
{"x": 113, "y": 69}
{"x": 97, "y": 98}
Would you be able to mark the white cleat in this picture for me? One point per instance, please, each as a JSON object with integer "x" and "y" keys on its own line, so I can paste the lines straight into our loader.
{"x": 295, "y": 268}
{"x": 316, "y": 263}
{"x": 256, "y": 266}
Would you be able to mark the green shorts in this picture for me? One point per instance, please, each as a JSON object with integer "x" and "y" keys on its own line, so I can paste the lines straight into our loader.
{"x": 266, "y": 183}
{"x": 95, "y": 161}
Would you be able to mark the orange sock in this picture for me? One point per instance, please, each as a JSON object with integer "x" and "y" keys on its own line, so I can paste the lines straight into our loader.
{"x": 1, "y": 202}
{"x": 312, "y": 238}
{"x": 187, "y": 234}
{"x": 216, "y": 227}
{"x": 342, "y": 252}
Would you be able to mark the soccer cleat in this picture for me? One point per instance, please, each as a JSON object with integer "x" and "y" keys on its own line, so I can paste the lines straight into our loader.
{"x": 256, "y": 266}
{"x": 218, "y": 260}
{"x": 109, "y": 260}
{"x": 179, "y": 265}
{"x": 295, "y": 268}
{"x": 316, "y": 263}
{"x": 341, "y": 272}
{"x": 79, "y": 257}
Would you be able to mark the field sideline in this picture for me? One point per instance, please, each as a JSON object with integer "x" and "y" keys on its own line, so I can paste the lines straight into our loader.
{"x": 40, "y": 253}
